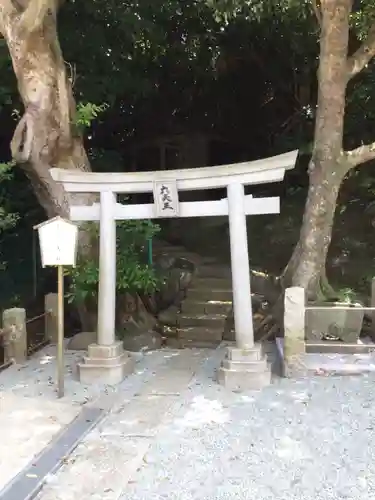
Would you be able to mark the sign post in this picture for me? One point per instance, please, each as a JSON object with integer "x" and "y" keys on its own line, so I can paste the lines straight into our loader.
{"x": 60, "y": 331}
{"x": 58, "y": 247}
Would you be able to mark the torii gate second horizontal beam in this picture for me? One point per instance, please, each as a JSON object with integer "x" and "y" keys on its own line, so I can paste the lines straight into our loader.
{"x": 253, "y": 206}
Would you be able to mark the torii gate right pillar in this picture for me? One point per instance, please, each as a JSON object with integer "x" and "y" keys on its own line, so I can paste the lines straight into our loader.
{"x": 244, "y": 368}
{"x": 243, "y": 317}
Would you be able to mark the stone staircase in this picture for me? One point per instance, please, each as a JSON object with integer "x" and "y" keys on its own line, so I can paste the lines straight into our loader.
{"x": 203, "y": 313}
{"x": 202, "y": 319}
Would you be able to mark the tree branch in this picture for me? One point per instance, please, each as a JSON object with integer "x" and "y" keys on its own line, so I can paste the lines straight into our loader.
{"x": 359, "y": 155}
{"x": 6, "y": 7}
{"x": 317, "y": 11}
{"x": 362, "y": 56}
{"x": 35, "y": 13}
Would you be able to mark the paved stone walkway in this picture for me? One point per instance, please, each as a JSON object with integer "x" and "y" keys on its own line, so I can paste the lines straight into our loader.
{"x": 110, "y": 455}
{"x": 33, "y": 416}
{"x": 173, "y": 433}
{"x": 27, "y": 426}
{"x": 30, "y": 414}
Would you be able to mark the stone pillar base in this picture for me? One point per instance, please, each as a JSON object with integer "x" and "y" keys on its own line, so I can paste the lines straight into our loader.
{"x": 244, "y": 369}
{"x": 105, "y": 364}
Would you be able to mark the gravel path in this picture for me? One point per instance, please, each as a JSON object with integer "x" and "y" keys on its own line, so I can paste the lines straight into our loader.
{"x": 310, "y": 439}
{"x": 175, "y": 434}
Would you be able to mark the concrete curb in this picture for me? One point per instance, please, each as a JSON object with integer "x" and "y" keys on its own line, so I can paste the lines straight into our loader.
{"x": 28, "y": 483}
{"x": 323, "y": 364}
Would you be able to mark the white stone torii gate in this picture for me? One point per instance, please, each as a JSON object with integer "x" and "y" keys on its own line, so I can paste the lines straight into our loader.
{"x": 106, "y": 361}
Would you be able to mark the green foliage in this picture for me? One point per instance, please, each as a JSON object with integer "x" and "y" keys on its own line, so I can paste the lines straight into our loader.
{"x": 159, "y": 66}
{"x": 243, "y": 69}
{"x": 346, "y": 295}
{"x": 86, "y": 113}
{"x": 8, "y": 88}
{"x": 123, "y": 47}
{"x": 363, "y": 17}
{"x": 104, "y": 160}
{"x": 134, "y": 275}
{"x": 7, "y": 220}
{"x": 259, "y": 10}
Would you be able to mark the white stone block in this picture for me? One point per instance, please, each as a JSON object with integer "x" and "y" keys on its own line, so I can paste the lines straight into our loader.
{"x": 244, "y": 369}
{"x": 338, "y": 319}
{"x": 105, "y": 365}
{"x": 294, "y": 329}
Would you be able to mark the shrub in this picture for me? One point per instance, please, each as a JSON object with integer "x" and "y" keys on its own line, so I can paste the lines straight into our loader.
{"x": 134, "y": 273}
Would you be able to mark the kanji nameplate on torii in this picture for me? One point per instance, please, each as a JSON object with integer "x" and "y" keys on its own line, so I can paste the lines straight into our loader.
{"x": 166, "y": 199}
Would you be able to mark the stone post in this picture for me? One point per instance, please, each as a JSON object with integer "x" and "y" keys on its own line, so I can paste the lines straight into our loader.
{"x": 245, "y": 367}
{"x": 106, "y": 363}
{"x": 50, "y": 320}
{"x": 294, "y": 331}
{"x": 14, "y": 322}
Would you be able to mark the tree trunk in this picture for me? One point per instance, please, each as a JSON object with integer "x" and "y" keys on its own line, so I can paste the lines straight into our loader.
{"x": 44, "y": 137}
{"x": 327, "y": 166}
{"x": 307, "y": 264}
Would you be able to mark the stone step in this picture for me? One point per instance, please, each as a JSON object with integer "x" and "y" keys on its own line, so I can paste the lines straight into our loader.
{"x": 185, "y": 254}
{"x": 89, "y": 372}
{"x": 180, "y": 255}
{"x": 191, "y": 307}
{"x": 243, "y": 380}
{"x": 212, "y": 283}
{"x": 214, "y": 321}
{"x": 212, "y": 271}
{"x": 103, "y": 361}
{"x": 157, "y": 247}
{"x": 201, "y": 294}
{"x": 248, "y": 366}
{"x": 196, "y": 344}
{"x": 173, "y": 250}
{"x": 238, "y": 355}
{"x": 200, "y": 333}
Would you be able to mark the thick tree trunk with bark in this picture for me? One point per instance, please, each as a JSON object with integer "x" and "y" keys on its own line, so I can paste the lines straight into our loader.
{"x": 44, "y": 137}
{"x": 307, "y": 264}
{"x": 328, "y": 164}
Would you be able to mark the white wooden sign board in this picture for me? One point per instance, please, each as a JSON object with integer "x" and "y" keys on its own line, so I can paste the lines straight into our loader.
{"x": 166, "y": 200}
{"x": 58, "y": 242}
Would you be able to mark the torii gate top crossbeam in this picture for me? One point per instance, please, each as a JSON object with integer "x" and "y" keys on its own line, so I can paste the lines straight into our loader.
{"x": 254, "y": 172}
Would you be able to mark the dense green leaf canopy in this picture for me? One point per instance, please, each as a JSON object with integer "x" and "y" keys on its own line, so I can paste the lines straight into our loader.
{"x": 244, "y": 70}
